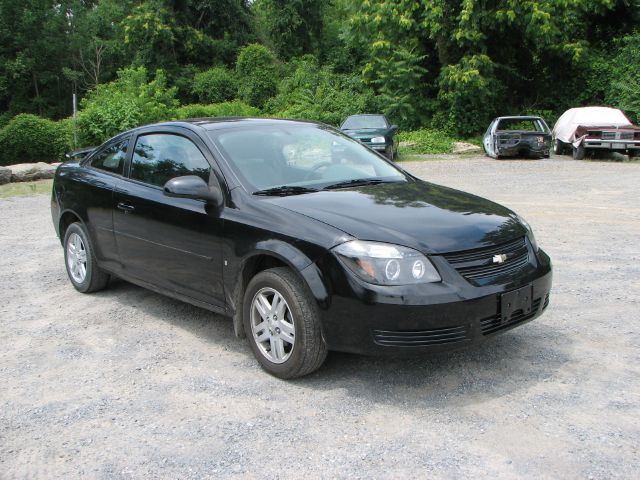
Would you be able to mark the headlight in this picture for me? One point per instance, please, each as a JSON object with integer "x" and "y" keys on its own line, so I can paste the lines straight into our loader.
{"x": 378, "y": 140}
{"x": 386, "y": 264}
{"x": 530, "y": 235}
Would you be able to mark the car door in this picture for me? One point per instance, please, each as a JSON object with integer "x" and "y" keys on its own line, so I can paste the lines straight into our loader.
{"x": 172, "y": 243}
{"x": 488, "y": 140}
{"x": 102, "y": 172}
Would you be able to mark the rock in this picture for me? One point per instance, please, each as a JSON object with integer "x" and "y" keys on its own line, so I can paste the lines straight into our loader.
{"x": 5, "y": 175}
{"x": 462, "y": 147}
{"x": 407, "y": 144}
{"x": 27, "y": 172}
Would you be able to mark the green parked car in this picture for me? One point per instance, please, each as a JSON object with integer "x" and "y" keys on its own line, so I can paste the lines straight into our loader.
{"x": 375, "y": 131}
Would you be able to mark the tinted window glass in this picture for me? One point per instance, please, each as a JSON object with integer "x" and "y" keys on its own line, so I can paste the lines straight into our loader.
{"x": 158, "y": 158}
{"x": 112, "y": 158}
{"x": 364, "y": 121}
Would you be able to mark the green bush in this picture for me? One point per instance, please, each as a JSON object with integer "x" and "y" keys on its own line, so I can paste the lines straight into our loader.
{"x": 225, "y": 109}
{"x": 468, "y": 95}
{"x": 624, "y": 89}
{"x": 312, "y": 92}
{"x": 256, "y": 73}
{"x": 29, "y": 138}
{"x": 129, "y": 101}
{"x": 215, "y": 85}
{"x": 426, "y": 141}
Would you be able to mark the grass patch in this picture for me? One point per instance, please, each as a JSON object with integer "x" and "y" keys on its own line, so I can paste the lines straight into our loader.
{"x": 25, "y": 188}
{"x": 425, "y": 142}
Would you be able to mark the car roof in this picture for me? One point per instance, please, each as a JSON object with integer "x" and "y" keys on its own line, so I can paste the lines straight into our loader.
{"x": 367, "y": 115}
{"x": 213, "y": 123}
{"x": 518, "y": 117}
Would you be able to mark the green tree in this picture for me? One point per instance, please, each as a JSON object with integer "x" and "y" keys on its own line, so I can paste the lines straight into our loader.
{"x": 129, "y": 101}
{"x": 256, "y": 72}
{"x": 292, "y": 27}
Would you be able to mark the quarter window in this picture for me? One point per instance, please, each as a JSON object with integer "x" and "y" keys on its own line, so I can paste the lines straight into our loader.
{"x": 157, "y": 158}
{"x": 112, "y": 158}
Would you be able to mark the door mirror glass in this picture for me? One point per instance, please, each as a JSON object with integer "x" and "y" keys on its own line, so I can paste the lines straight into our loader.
{"x": 194, "y": 187}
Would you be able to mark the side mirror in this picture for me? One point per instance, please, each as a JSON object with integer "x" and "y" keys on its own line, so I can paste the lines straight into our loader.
{"x": 192, "y": 186}
{"x": 393, "y": 129}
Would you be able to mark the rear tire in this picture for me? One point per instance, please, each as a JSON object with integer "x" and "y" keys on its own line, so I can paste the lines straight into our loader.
{"x": 282, "y": 323}
{"x": 80, "y": 261}
{"x": 578, "y": 152}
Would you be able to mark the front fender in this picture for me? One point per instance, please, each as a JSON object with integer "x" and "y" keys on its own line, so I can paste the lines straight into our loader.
{"x": 291, "y": 256}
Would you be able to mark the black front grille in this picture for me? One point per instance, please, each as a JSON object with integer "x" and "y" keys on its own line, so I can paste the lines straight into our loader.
{"x": 480, "y": 264}
{"x": 495, "y": 323}
{"x": 420, "y": 338}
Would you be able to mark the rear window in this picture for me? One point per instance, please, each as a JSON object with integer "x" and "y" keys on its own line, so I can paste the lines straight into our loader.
{"x": 521, "y": 125}
{"x": 365, "y": 121}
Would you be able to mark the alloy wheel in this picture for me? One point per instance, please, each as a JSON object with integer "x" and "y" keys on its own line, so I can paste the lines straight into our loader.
{"x": 272, "y": 325}
{"x": 77, "y": 258}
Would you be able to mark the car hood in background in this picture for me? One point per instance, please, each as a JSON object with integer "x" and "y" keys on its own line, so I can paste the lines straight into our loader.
{"x": 367, "y": 133}
{"x": 421, "y": 215}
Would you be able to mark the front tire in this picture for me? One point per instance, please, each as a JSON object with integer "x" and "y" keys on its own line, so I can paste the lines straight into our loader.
{"x": 578, "y": 152}
{"x": 282, "y": 323}
{"x": 634, "y": 154}
{"x": 80, "y": 261}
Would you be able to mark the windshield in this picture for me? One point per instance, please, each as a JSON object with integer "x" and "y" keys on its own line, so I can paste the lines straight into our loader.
{"x": 358, "y": 122}
{"x": 311, "y": 156}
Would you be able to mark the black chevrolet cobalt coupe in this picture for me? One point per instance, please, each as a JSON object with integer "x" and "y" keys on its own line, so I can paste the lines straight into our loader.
{"x": 306, "y": 238}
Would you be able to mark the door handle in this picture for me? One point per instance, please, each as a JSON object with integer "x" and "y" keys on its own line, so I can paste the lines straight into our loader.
{"x": 126, "y": 207}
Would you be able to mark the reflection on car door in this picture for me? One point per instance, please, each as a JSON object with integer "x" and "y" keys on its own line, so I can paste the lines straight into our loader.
{"x": 172, "y": 243}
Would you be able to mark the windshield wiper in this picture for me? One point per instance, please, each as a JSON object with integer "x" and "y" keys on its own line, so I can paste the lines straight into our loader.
{"x": 284, "y": 190}
{"x": 356, "y": 182}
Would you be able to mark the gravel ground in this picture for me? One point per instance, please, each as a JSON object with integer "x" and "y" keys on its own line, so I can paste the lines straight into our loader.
{"x": 129, "y": 384}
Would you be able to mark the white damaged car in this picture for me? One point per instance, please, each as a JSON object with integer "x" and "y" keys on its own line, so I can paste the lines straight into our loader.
{"x": 585, "y": 129}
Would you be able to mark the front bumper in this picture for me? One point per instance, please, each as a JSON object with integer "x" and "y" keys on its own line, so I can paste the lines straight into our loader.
{"x": 445, "y": 316}
{"x": 611, "y": 144}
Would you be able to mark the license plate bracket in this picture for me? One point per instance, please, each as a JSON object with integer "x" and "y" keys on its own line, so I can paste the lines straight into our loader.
{"x": 515, "y": 300}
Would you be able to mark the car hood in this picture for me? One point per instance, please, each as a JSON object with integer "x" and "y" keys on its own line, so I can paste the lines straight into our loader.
{"x": 420, "y": 215}
{"x": 367, "y": 132}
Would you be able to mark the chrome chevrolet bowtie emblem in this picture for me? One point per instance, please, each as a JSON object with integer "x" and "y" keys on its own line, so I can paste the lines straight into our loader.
{"x": 499, "y": 258}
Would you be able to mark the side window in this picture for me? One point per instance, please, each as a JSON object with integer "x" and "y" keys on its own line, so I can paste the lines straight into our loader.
{"x": 112, "y": 158}
{"x": 159, "y": 157}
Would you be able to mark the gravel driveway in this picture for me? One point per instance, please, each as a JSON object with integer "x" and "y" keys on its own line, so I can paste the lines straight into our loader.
{"x": 129, "y": 384}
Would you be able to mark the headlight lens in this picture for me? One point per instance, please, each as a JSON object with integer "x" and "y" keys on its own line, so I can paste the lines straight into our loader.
{"x": 386, "y": 264}
{"x": 530, "y": 234}
{"x": 377, "y": 140}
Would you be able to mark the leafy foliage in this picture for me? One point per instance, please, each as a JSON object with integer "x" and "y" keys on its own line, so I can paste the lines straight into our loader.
{"x": 127, "y": 102}
{"x": 29, "y": 138}
{"x": 215, "y": 85}
{"x": 293, "y": 27}
{"x": 624, "y": 87}
{"x": 225, "y": 109}
{"x": 314, "y": 92}
{"x": 425, "y": 141}
{"x": 256, "y": 72}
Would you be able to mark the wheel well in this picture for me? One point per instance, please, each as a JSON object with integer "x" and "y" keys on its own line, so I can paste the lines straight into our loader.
{"x": 253, "y": 266}
{"x": 67, "y": 219}
{"x": 257, "y": 264}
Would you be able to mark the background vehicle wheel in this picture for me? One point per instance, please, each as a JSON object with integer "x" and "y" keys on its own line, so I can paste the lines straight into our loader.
{"x": 558, "y": 147}
{"x": 578, "y": 152}
{"x": 634, "y": 154}
{"x": 282, "y": 323}
{"x": 80, "y": 260}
